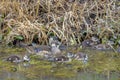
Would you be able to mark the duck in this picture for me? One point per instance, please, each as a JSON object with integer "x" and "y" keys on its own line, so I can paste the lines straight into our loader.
{"x": 19, "y": 43}
{"x": 95, "y": 40}
{"x": 49, "y": 57}
{"x": 43, "y": 50}
{"x": 87, "y": 43}
{"x": 61, "y": 58}
{"x": 14, "y": 59}
{"x": 17, "y": 59}
{"x": 26, "y": 58}
{"x": 102, "y": 47}
{"x": 70, "y": 56}
{"x": 56, "y": 45}
{"x": 38, "y": 49}
{"x": 55, "y": 49}
{"x": 54, "y": 39}
{"x": 81, "y": 57}
{"x": 118, "y": 49}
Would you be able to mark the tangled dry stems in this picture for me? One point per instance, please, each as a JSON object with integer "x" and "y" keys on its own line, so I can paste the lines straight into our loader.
{"x": 72, "y": 21}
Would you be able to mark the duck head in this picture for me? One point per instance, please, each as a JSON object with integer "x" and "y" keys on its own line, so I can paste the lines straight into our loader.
{"x": 54, "y": 40}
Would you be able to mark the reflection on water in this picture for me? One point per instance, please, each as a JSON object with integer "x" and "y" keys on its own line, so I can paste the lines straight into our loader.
{"x": 80, "y": 76}
{"x": 44, "y": 70}
{"x": 4, "y": 75}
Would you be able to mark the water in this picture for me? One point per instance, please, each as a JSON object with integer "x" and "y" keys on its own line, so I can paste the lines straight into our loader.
{"x": 43, "y": 70}
{"x": 80, "y": 76}
{"x": 11, "y": 76}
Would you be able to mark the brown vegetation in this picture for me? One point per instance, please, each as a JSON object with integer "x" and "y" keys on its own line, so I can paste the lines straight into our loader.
{"x": 70, "y": 20}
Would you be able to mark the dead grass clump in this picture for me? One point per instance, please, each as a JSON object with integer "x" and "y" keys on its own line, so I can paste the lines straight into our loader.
{"x": 71, "y": 20}
{"x": 27, "y": 30}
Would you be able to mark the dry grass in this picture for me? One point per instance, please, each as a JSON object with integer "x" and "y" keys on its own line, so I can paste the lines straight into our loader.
{"x": 70, "y": 21}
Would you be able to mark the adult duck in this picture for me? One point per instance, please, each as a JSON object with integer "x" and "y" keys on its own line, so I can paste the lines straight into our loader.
{"x": 38, "y": 49}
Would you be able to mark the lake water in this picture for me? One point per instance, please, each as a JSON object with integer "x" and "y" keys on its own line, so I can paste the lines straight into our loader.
{"x": 79, "y": 76}
{"x": 42, "y": 70}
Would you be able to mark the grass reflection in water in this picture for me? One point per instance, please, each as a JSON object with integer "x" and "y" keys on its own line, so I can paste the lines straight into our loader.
{"x": 101, "y": 66}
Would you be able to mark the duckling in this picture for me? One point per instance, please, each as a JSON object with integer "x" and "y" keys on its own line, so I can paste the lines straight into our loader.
{"x": 118, "y": 49}
{"x": 14, "y": 59}
{"x": 99, "y": 47}
{"x": 19, "y": 43}
{"x": 61, "y": 58}
{"x": 85, "y": 58}
{"x": 26, "y": 58}
{"x": 95, "y": 40}
{"x": 102, "y": 47}
{"x": 70, "y": 55}
{"x": 54, "y": 40}
{"x": 63, "y": 47}
{"x": 81, "y": 56}
{"x": 49, "y": 57}
{"x": 55, "y": 49}
{"x": 87, "y": 43}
